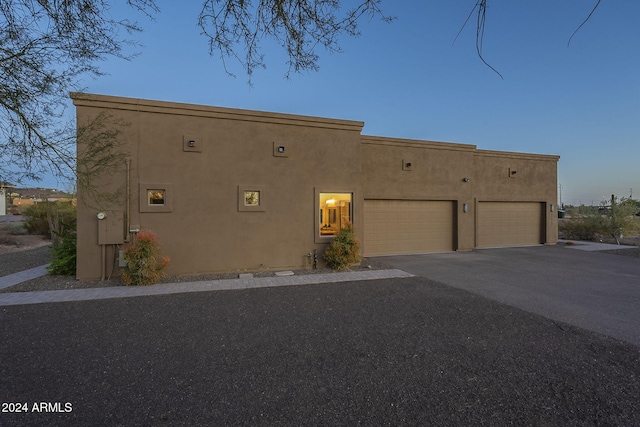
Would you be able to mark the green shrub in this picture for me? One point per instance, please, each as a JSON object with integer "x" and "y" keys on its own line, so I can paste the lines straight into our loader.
{"x": 63, "y": 260}
{"x": 35, "y": 218}
{"x": 343, "y": 250}
{"x": 144, "y": 263}
{"x": 582, "y": 228}
{"x": 614, "y": 221}
{"x": 17, "y": 229}
{"x": 62, "y": 220}
{"x": 46, "y": 217}
{"x": 620, "y": 219}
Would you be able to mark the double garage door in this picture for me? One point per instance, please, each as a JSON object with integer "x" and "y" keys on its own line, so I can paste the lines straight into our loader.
{"x": 420, "y": 226}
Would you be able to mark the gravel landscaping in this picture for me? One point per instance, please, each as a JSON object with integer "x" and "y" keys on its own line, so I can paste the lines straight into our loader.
{"x": 625, "y": 242}
{"x": 393, "y": 352}
{"x": 19, "y": 261}
{"x": 632, "y": 252}
{"x": 14, "y": 262}
{"x": 382, "y": 352}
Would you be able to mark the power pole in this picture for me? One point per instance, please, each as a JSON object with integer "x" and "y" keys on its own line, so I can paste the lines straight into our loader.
{"x": 560, "y": 186}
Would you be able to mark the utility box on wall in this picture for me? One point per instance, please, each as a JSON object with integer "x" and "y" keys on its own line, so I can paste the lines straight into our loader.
{"x": 110, "y": 227}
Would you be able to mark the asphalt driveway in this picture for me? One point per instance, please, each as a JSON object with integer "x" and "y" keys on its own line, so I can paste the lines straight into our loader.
{"x": 379, "y": 352}
{"x": 593, "y": 290}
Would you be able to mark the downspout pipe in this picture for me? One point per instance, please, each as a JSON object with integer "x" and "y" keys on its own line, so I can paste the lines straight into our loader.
{"x": 127, "y": 220}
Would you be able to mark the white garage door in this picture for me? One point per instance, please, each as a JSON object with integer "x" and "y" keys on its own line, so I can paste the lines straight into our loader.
{"x": 408, "y": 226}
{"x": 510, "y": 224}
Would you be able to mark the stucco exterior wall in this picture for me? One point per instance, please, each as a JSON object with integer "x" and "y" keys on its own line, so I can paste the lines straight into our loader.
{"x": 438, "y": 171}
{"x": 518, "y": 177}
{"x": 205, "y": 229}
{"x": 460, "y": 173}
{"x": 204, "y": 158}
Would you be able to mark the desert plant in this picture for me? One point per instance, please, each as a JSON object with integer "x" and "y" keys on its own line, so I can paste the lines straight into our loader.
{"x": 46, "y": 217}
{"x": 35, "y": 218}
{"x": 63, "y": 260}
{"x": 620, "y": 218}
{"x": 614, "y": 221}
{"x": 143, "y": 259}
{"x": 62, "y": 220}
{"x": 343, "y": 250}
{"x": 582, "y": 228}
{"x": 17, "y": 229}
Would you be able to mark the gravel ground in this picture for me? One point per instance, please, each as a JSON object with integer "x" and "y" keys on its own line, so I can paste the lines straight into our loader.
{"x": 19, "y": 261}
{"x": 624, "y": 242}
{"x": 632, "y": 252}
{"x": 397, "y": 352}
{"x": 15, "y": 262}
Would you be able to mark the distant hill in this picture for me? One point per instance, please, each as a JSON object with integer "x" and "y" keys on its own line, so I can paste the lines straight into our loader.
{"x": 38, "y": 193}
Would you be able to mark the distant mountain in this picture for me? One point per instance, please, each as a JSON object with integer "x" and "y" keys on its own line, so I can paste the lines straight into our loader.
{"x": 39, "y": 193}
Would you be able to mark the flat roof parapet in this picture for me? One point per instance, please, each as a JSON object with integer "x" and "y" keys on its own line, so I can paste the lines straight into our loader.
{"x": 176, "y": 108}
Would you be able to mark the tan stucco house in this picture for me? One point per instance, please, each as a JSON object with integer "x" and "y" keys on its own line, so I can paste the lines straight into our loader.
{"x": 233, "y": 190}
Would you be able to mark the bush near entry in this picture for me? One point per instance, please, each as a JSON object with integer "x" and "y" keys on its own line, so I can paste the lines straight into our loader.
{"x": 343, "y": 250}
{"x": 144, "y": 262}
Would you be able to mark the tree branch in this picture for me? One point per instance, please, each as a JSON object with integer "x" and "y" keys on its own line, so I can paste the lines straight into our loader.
{"x": 584, "y": 21}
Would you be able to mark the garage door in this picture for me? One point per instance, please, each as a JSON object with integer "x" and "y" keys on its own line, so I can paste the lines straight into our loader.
{"x": 407, "y": 226}
{"x": 510, "y": 224}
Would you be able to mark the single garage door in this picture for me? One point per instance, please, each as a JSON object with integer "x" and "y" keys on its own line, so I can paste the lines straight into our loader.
{"x": 510, "y": 224}
{"x": 408, "y": 226}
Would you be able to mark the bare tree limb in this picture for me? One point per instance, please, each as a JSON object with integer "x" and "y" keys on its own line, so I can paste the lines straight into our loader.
{"x": 46, "y": 47}
{"x": 298, "y": 26}
{"x": 481, "y": 6}
{"x": 584, "y": 21}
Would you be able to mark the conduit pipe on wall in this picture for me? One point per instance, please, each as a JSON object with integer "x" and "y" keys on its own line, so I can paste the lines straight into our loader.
{"x": 103, "y": 255}
{"x": 127, "y": 213}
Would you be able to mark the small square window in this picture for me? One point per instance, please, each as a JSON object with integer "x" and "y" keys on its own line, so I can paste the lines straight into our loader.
{"x": 252, "y": 198}
{"x": 156, "y": 197}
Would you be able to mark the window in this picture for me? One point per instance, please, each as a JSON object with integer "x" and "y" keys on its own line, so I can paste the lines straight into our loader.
{"x": 156, "y": 197}
{"x": 252, "y": 198}
{"x": 334, "y": 212}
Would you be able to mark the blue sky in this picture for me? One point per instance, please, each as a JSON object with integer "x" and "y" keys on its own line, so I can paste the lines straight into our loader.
{"x": 408, "y": 79}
